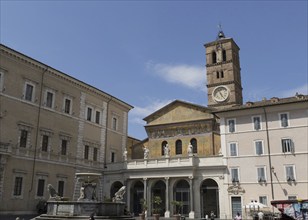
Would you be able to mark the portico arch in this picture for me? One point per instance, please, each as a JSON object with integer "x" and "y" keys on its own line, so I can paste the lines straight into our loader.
{"x": 137, "y": 192}
{"x": 209, "y": 192}
{"x": 159, "y": 189}
{"x": 181, "y": 192}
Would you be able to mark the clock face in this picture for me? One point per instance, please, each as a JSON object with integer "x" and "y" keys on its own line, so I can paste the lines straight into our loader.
{"x": 220, "y": 93}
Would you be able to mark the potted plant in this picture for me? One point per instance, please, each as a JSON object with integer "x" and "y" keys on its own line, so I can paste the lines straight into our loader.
{"x": 156, "y": 206}
{"x": 144, "y": 208}
{"x": 177, "y": 209}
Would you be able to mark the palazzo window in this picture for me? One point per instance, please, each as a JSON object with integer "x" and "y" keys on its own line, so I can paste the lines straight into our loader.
{"x": 18, "y": 183}
{"x": 114, "y": 123}
{"x": 259, "y": 147}
{"x": 61, "y": 187}
{"x": 97, "y": 117}
{"x": 95, "y": 153}
{"x": 231, "y": 125}
{"x": 261, "y": 174}
{"x": 263, "y": 200}
{"x": 1, "y": 81}
{"x": 29, "y": 92}
{"x": 49, "y": 99}
{"x": 234, "y": 175}
{"x": 256, "y": 123}
{"x": 284, "y": 120}
{"x": 233, "y": 149}
{"x": 45, "y": 141}
{"x": 290, "y": 173}
{"x": 287, "y": 146}
{"x": 67, "y": 105}
{"x": 112, "y": 159}
{"x": 86, "y": 152}
{"x": 23, "y": 138}
{"x": 63, "y": 147}
{"x": 40, "y": 188}
{"x": 89, "y": 114}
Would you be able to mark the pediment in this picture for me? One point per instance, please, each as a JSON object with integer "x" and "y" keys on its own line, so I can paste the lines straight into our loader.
{"x": 179, "y": 111}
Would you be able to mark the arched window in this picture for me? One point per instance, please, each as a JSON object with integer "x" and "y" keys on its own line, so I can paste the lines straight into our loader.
{"x": 214, "y": 57}
{"x": 178, "y": 147}
{"x": 193, "y": 142}
{"x": 224, "y": 55}
{"x": 217, "y": 75}
{"x": 163, "y": 144}
{"x": 222, "y": 74}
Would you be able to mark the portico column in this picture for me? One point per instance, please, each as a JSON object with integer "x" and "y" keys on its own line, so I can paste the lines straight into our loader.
{"x": 128, "y": 185}
{"x": 167, "y": 212}
{"x": 191, "y": 213}
{"x": 145, "y": 190}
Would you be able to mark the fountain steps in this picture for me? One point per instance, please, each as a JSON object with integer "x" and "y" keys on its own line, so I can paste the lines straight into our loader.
{"x": 52, "y": 217}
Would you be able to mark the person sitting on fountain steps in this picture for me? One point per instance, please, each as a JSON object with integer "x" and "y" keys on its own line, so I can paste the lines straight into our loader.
{"x": 92, "y": 217}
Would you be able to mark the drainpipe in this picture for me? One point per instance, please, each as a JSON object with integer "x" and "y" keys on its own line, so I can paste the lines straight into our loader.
{"x": 269, "y": 153}
{"x": 37, "y": 129}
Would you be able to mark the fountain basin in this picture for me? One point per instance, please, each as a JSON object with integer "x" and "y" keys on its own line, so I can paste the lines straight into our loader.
{"x": 85, "y": 208}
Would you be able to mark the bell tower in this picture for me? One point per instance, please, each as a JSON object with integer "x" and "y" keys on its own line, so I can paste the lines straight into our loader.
{"x": 223, "y": 72}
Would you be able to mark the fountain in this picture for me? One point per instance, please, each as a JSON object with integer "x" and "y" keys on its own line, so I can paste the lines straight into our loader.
{"x": 87, "y": 204}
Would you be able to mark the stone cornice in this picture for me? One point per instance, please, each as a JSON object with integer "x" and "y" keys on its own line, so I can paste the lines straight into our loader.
{"x": 6, "y": 51}
{"x": 219, "y": 63}
{"x": 224, "y": 83}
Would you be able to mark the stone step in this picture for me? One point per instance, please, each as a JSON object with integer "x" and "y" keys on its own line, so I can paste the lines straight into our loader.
{"x": 58, "y": 217}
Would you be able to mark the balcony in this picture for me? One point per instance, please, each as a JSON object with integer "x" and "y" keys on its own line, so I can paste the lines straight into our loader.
{"x": 206, "y": 162}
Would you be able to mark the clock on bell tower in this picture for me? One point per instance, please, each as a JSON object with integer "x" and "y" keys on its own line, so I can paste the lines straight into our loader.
{"x": 223, "y": 72}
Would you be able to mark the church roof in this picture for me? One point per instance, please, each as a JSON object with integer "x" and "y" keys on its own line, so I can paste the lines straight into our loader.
{"x": 171, "y": 105}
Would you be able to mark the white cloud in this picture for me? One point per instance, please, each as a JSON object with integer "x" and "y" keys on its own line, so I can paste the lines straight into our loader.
{"x": 186, "y": 75}
{"x": 291, "y": 92}
{"x": 137, "y": 114}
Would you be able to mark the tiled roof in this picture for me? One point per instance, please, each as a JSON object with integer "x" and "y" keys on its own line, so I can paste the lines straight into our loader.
{"x": 274, "y": 101}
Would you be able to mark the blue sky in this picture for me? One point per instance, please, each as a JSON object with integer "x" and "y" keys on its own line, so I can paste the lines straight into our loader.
{"x": 149, "y": 53}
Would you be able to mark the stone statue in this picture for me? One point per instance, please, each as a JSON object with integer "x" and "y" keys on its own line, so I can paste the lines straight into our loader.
{"x": 190, "y": 149}
{"x": 53, "y": 195}
{"x": 118, "y": 196}
{"x": 146, "y": 152}
{"x": 81, "y": 197}
{"x": 125, "y": 155}
{"x": 166, "y": 150}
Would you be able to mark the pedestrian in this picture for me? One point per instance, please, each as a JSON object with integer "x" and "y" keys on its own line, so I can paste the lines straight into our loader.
{"x": 212, "y": 215}
{"x": 260, "y": 215}
{"x": 238, "y": 216}
{"x": 92, "y": 217}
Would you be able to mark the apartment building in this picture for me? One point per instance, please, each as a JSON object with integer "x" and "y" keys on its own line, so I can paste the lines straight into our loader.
{"x": 265, "y": 144}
